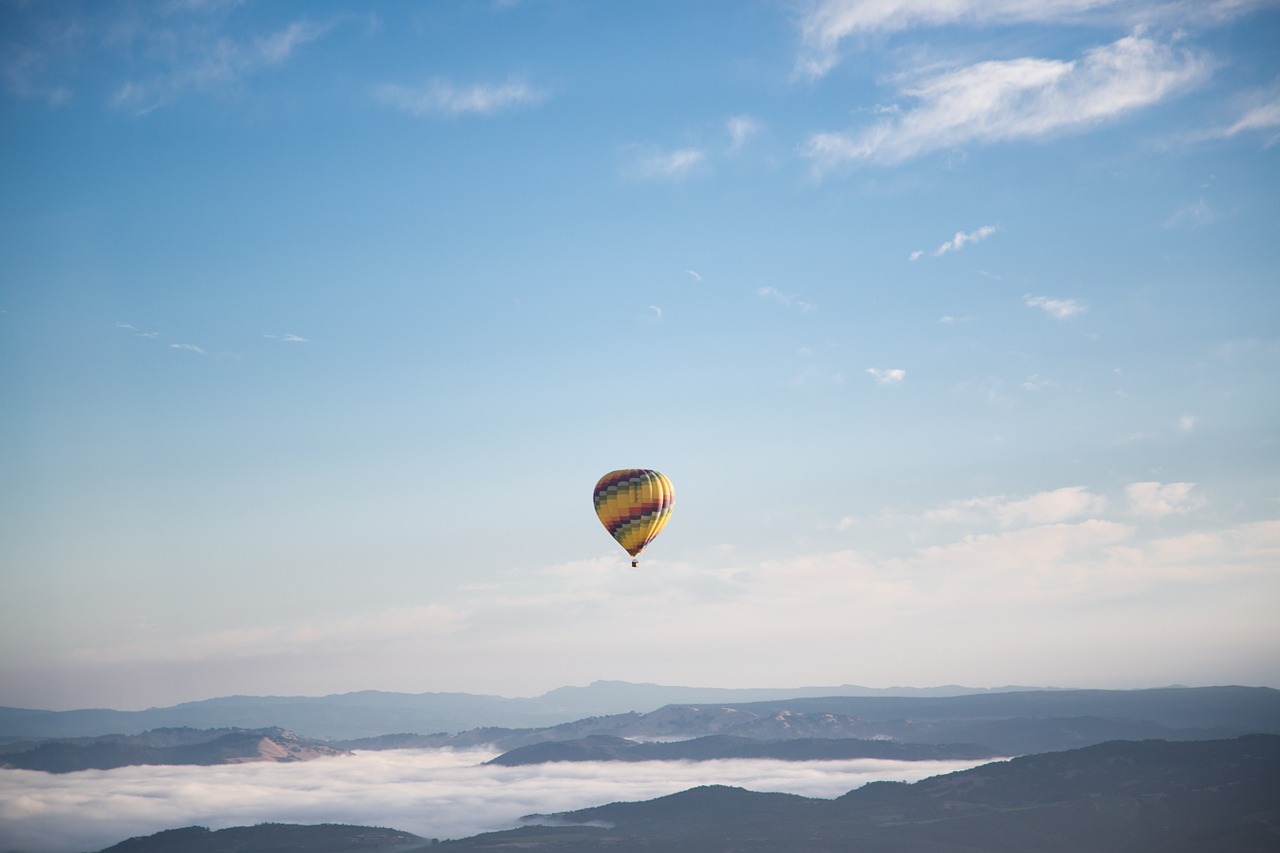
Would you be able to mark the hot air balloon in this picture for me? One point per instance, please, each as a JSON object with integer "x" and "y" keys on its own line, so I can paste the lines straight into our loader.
{"x": 634, "y": 505}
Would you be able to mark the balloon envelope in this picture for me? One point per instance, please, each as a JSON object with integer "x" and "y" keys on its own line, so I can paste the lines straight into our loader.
{"x": 634, "y": 505}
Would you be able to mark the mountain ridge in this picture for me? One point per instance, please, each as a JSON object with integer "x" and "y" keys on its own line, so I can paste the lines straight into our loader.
{"x": 1014, "y": 723}
{"x": 368, "y": 713}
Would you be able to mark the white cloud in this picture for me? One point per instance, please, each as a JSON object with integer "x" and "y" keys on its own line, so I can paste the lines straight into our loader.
{"x": 890, "y": 376}
{"x": 1157, "y": 500}
{"x": 26, "y": 69}
{"x": 432, "y": 793}
{"x": 1187, "y": 423}
{"x": 288, "y": 338}
{"x": 1050, "y": 507}
{"x": 1041, "y": 546}
{"x": 135, "y": 330}
{"x": 200, "y": 6}
{"x": 1036, "y": 382}
{"x": 788, "y": 299}
{"x": 1259, "y": 112}
{"x": 657, "y": 312}
{"x": 1265, "y": 116}
{"x": 962, "y": 239}
{"x": 1028, "y": 98}
{"x": 279, "y": 47}
{"x": 949, "y": 320}
{"x": 695, "y": 275}
{"x": 1061, "y": 309}
{"x": 916, "y": 255}
{"x": 446, "y": 99}
{"x": 206, "y": 63}
{"x": 188, "y": 347}
{"x": 825, "y": 24}
{"x": 741, "y": 129}
{"x": 1191, "y": 215}
{"x": 648, "y": 163}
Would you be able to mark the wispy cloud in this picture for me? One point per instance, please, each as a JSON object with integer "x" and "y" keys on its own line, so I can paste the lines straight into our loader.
{"x": 136, "y": 331}
{"x": 1187, "y": 423}
{"x": 1050, "y": 507}
{"x": 648, "y": 163}
{"x": 813, "y": 376}
{"x": 694, "y": 274}
{"x": 1156, "y": 500}
{"x": 1060, "y": 309}
{"x": 37, "y": 69}
{"x": 443, "y": 98}
{"x": 741, "y": 129}
{"x": 1194, "y": 214}
{"x": 826, "y": 24}
{"x": 887, "y": 376}
{"x": 1259, "y": 112}
{"x": 1018, "y": 99}
{"x": 200, "y": 6}
{"x": 187, "y": 347}
{"x": 206, "y": 63}
{"x": 961, "y": 240}
{"x": 788, "y": 299}
{"x": 1264, "y": 117}
{"x": 288, "y": 338}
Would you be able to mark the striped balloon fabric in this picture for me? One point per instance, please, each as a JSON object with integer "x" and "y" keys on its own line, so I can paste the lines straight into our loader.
{"x": 634, "y": 505}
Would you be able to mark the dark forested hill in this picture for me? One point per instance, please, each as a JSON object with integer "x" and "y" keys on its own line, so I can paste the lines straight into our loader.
{"x": 606, "y": 748}
{"x": 1116, "y": 797}
{"x": 272, "y": 838}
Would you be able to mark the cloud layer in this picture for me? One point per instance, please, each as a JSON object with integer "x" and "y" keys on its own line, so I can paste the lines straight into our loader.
{"x": 975, "y": 569}
{"x": 433, "y": 793}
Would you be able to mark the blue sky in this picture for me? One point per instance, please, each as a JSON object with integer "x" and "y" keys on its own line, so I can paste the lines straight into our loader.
{"x": 954, "y": 325}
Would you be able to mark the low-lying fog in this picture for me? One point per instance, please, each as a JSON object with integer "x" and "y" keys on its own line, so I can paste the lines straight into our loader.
{"x": 433, "y": 793}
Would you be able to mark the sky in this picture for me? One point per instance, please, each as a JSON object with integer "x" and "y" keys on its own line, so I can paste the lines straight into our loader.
{"x": 431, "y": 793}
{"x": 955, "y": 325}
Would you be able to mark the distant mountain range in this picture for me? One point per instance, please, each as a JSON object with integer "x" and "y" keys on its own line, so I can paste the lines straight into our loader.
{"x": 908, "y": 728}
{"x": 1116, "y": 797}
{"x": 1006, "y": 723}
{"x": 373, "y": 712}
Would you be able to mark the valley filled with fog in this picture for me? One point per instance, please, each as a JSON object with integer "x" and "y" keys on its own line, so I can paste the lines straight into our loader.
{"x": 432, "y": 793}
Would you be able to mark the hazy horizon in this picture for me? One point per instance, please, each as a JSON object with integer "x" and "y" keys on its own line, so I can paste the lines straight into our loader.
{"x": 954, "y": 325}
{"x": 710, "y": 687}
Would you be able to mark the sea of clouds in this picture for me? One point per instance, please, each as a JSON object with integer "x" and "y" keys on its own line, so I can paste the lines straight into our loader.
{"x": 435, "y": 793}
